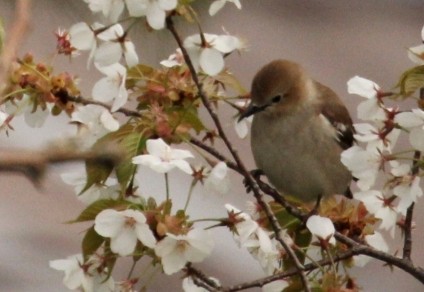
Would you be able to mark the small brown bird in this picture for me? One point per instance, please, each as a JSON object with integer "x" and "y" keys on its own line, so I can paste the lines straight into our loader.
{"x": 299, "y": 129}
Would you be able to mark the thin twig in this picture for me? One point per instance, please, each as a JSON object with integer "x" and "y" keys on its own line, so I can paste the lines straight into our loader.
{"x": 289, "y": 273}
{"x": 248, "y": 178}
{"x": 14, "y": 37}
{"x": 363, "y": 249}
{"x": 84, "y": 101}
{"x": 204, "y": 282}
{"x": 215, "y": 153}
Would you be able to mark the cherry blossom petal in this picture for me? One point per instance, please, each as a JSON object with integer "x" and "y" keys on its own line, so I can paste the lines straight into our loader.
{"x": 108, "y": 53}
{"x": 416, "y": 54}
{"x": 124, "y": 242}
{"x": 145, "y": 235}
{"x": 130, "y": 55}
{"x": 182, "y": 165}
{"x": 416, "y": 138}
{"x": 146, "y": 160}
{"x": 226, "y": 43}
{"x": 321, "y": 227}
{"x": 156, "y": 16}
{"x": 218, "y": 179}
{"x": 173, "y": 263}
{"x": 216, "y": 6}
{"x": 81, "y": 36}
{"x": 157, "y": 147}
{"x": 370, "y": 110}
{"x": 409, "y": 119}
{"x": 362, "y": 87}
{"x": 211, "y": 61}
{"x": 168, "y": 4}
{"x": 108, "y": 223}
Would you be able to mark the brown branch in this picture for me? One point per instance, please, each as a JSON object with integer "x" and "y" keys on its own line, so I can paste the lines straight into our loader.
{"x": 291, "y": 272}
{"x": 34, "y": 163}
{"x": 407, "y": 233}
{"x": 215, "y": 153}
{"x": 200, "y": 279}
{"x": 403, "y": 264}
{"x": 14, "y": 37}
{"x": 246, "y": 174}
{"x": 79, "y": 99}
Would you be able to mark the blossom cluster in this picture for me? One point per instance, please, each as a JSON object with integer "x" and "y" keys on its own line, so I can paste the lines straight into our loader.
{"x": 124, "y": 223}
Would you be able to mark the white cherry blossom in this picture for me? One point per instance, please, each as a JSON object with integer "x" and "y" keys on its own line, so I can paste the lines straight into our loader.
{"x": 210, "y": 56}
{"x": 3, "y": 119}
{"x": 242, "y": 126}
{"x": 175, "y": 59}
{"x": 219, "y": 4}
{"x": 218, "y": 179}
{"x": 154, "y": 10}
{"x": 78, "y": 179}
{"x": 376, "y": 241}
{"x": 111, "y": 88}
{"x": 83, "y": 37}
{"x": 416, "y": 54}
{"x": 111, "y": 9}
{"x": 177, "y": 250}
{"x": 413, "y": 121}
{"x": 364, "y": 165}
{"x": 380, "y": 207}
{"x": 322, "y": 228}
{"x": 406, "y": 186}
{"x": 162, "y": 158}
{"x": 25, "y": 106}
{"x": 369, "y": 134}
{"x": 370, "y": 109}
{"x": 83, "y": 275}
{"x": 124, "y": 228}
{"x": 265, "y": 250}
{"x": 95, "y": 122}
{"x": 115, "y": 46}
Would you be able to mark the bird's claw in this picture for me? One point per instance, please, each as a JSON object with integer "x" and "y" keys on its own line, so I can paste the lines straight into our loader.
{"x": 256, "y": 174}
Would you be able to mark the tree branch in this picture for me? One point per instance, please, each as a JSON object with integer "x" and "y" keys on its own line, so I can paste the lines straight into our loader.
{"x": 63, "y": 95}
{"x": 34, "y": 163}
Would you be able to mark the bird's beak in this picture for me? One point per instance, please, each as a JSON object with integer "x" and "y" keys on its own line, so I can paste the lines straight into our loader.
{"x": 251, "y": 110}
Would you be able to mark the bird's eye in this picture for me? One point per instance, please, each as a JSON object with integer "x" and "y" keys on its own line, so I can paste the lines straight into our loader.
{"x": 276, "y": 98}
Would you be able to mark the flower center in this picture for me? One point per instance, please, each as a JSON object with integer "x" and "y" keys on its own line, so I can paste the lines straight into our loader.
{"x": 130, "y": 222}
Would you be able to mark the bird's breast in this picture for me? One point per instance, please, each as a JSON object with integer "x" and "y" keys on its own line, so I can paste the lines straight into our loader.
{"x": 298, "y": 155}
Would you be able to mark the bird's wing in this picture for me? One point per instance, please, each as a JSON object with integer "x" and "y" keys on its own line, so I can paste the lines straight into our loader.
{"x": 337, "y": 115}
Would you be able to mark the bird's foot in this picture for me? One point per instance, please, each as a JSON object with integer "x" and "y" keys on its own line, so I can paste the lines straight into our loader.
{"x": 256, "y": 174}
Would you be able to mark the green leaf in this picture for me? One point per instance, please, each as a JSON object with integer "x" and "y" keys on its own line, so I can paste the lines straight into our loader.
{"x": 132, "y": 144}
{"x": 137, "y": 73}
{"x": 411, "y": 80}
{"x": 110, "y": 260}
{"x": 228, "y": 79}
{"x": 91, "y": 242}
{"x": 97, "y": 173}
{"x": 90, "y": 213}
{"x": 186, "y": 115}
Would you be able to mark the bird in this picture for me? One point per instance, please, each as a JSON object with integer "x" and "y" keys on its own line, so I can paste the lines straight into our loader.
{"x": 299, "y": 129}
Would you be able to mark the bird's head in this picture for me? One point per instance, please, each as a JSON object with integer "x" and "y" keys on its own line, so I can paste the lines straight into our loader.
{"x": 277, "y": 87}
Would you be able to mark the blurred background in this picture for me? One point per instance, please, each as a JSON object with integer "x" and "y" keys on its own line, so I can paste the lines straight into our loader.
{"x": 333, "y": 39}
